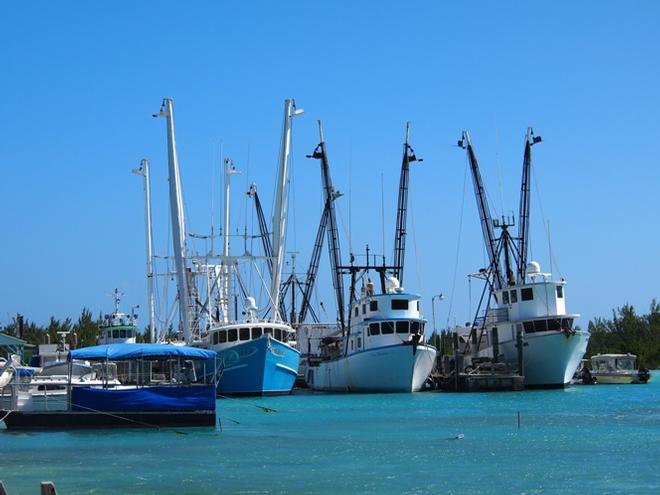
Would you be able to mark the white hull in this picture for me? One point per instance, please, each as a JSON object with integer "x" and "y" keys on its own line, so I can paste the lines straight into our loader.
{"x": 549, "y": 358}
{"x": 616, "y": 378}
{"x": 385, "y": 369}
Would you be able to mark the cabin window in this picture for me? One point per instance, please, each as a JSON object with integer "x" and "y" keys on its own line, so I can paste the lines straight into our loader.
{"x": 232, "y": 334}
{"x": 373, "y": 305}
{"x": 554, "y": 324}
{"x": 399, "y": 304}
{"x": 351, "y": 344}
{"x": 278, "y": 333}
{"x": 529, "y": 326}
{"x": 527, "y": 294}
{"x": 357, "y": 311}
{"x": 214, "y": 338}
{"x": 514, "y": 296}
{"x": 122, "y": 334}
{"x": 359, "y": 342}
{"x": 560, "y": 292}
{"x": 387, "y": 327}
{"x": 417, "y": 305}
{"x": 222, "y": 337}
{"x": 402, "y": 327}
{"x": 414, "y": 327}
{"x": 268, "y": 331}
{"x": 364, "y": 309}
{"x": 115, "y": 334}
{"x": 505, "y": 297}
{"x": 540, "y": 325}
{"x": 245, "y": 334}
{"x": 374, "y": 329}
{"x": 567, "y": 323}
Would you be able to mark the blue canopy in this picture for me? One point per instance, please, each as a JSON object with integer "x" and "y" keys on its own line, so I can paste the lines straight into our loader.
{"x": 116, "y": 352}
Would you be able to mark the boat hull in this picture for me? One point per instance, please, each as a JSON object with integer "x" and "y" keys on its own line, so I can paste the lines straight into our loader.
{"x": 549, "y": 358}
{"x": 16, "y": 420}
{"x": 262, "y": 366}
{"x": 395, "y": 368}
{"x": 616, "y": 378}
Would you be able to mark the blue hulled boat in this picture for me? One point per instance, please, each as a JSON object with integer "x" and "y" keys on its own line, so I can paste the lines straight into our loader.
{"x": 255, "y": 358}
{"x": 135, "y": 385}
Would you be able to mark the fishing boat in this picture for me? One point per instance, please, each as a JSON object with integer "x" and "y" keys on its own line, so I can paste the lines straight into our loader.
{"x": 526, "y": 323}
{"x": 381, "y": 348}
{"x": 618, "y": 369}
{"x": 135, "y": 385}
{"x": 257, "y": 355}
{"x": 118, "y": 327}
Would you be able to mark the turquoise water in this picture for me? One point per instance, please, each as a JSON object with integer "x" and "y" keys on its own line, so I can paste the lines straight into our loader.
{"x": 602, "y": 439}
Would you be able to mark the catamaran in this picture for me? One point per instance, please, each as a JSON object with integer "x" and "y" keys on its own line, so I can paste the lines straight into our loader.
{"x": 528, "y": 327}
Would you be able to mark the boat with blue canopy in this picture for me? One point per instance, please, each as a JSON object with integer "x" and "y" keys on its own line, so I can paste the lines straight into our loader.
{"x": 134, "y": 385}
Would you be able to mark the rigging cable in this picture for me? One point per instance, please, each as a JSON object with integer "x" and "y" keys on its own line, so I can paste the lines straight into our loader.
{"x": 546, "y": 224}
{"x": 458, "y": 247}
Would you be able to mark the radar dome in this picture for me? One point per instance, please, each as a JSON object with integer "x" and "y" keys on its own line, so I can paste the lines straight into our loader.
{"x": 392, "y": 284}
{"x": 533, "y": 268}
{"x": 250, "y": 304}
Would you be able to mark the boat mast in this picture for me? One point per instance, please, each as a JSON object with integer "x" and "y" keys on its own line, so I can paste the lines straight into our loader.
{"x": 230, "y": 170}
{"x": 312, "y": 270}
{"x": 484, "y": 212}
{"x": 402, "y": 207}
{"x": 143, "y": 171}
{"x": 178, "y": 219}
{"x": 523, "y": 223}
{"x": 333, "y": 234}
{"x": 280, "y": 209}
{"x": 263, "y": 227}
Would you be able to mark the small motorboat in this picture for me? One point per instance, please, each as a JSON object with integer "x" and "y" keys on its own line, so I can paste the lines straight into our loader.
{"x": 618, "y": 369}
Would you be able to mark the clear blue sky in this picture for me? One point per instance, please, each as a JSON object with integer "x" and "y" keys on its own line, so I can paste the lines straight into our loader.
{"x": 80, "y": 81}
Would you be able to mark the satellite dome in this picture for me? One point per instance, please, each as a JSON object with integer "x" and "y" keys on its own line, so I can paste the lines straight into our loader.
{"x": 250, "y": 304}
{"x": 392, "y": 284}
{"x": 533, "y": 268}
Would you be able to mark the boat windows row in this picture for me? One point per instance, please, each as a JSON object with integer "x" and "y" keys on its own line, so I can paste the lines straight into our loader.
{"x": 121, "y": 334}
{"x": 396, "y": 304}
{"x": 526, "y": 294}
{"x": 549, "y": 325}
{"x": 244, "y": 334}
{"x": 391, "y": 327}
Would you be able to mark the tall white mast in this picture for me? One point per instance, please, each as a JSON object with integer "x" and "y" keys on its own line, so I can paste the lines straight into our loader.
{"x": 230, "y": 170}
{"x": 178, "y": 220}
{"x": 143, "y": 171}
{"x": 280, "y": 209}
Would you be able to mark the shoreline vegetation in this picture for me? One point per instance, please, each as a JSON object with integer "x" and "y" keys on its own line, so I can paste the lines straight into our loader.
{"x": 626, "y": 331}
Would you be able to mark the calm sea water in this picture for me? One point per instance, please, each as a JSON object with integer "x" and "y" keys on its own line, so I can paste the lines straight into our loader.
{"x": 602, "y": 439}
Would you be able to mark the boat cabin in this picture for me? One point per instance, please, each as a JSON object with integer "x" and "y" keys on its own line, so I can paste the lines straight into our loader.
{"x": 230, "y": 335}
{"x": 609, "y": 363}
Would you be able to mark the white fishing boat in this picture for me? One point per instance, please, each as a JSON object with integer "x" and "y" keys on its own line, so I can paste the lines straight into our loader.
{"x": 382, "y": 350}
{"x": 118, "y": 327}
{"x": 552, "y": 347}
{"x": 528, "y": 326}
{"x": 618, "y": 369}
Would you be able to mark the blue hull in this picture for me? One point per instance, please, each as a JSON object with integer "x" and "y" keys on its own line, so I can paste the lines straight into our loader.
{"x": 258, "y": 367}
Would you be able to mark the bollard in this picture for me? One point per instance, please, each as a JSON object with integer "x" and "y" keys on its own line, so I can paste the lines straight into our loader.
{"x": 48, "y": 488}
